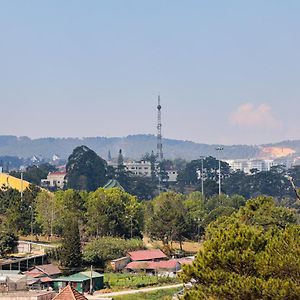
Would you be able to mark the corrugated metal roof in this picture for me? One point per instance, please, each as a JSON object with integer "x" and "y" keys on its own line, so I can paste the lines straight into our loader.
{"x": 146, "y": 255}
{"x": 49, "y": 269}
{"x": 79, "y": 277}
{"x": 113, "y": 183}
{"x": 171, "y": 264}
{"x": 94, "y": 275}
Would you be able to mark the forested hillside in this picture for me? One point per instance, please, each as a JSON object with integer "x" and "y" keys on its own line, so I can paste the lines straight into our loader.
{"x": 133, "y": 146}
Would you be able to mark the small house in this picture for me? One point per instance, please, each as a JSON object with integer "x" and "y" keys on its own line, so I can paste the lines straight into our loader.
{"x": 44, "y": 274}
{"x": 163, "y": 267}
{"x": 81, "y": 281}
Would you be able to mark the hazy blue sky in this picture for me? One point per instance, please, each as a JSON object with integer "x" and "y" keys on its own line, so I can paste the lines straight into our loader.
{"x": 227, "y": 71}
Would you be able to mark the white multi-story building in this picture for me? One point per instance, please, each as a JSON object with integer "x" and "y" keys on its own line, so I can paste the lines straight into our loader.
{"x": 143, "y": 168}
{"x": 55, "y": 179}
{"x": 246, "y": 165}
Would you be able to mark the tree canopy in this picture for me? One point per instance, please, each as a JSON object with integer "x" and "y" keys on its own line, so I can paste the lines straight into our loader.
{"x": 85, "y": 170}
{"x": 248, "y": 255}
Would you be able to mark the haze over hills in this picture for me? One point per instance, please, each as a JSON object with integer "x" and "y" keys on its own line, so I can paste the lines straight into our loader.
{"x": 134, "y": 146}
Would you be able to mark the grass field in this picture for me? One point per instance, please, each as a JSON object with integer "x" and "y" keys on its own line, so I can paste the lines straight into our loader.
{"x": 117, "y": 281}
{"x": 157, "y": 295}
{"x": 188, "y": 247}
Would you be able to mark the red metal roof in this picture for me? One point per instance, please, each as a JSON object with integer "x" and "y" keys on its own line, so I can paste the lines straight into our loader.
{"x": 49, "y": 269}
{"x": 69, "y": 293}
{"x": 142, "y": 255}
{"x": 46, "y": 279}
{"x": 185, "y": 261}
{"x": 34, "y": 273}
{"x": 171, "y": 264}
{"x": 57, "y": 173}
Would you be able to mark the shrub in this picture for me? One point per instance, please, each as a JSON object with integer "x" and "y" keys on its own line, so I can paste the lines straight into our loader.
{"x": 102, "y": 250}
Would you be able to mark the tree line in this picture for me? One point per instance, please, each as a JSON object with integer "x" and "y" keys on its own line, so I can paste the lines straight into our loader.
{"x": 87, "y": 171}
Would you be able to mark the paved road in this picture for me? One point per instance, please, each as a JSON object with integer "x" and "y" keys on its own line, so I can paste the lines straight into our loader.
{"x": 128, "y": 292}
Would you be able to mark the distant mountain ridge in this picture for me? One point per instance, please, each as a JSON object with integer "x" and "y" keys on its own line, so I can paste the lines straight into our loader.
{"x": 133, "y": 146}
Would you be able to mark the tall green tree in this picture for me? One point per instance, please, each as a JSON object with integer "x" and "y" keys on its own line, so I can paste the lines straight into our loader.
{"x": 70, "y": 255}
{"x": 17, "y": 211}
{"x": 189, "y": 175}
{"x": 69, "y": 204}
{"x": 169, "y": 219}
{"x": 114, "y": 212}
{"x": 47, "y": 212}
{"x": 248, "y": 255}
{"x": 85, "y": 170}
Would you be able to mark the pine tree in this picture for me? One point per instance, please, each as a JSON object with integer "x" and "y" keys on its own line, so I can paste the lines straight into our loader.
{"x": 120, "y": 160}
{"x": 71, "y": 256}
{"x": 153, "y": 166}
{"x": 109, "y": 156}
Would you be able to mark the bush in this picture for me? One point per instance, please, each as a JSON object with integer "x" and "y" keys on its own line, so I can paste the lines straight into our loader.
{"x": 102, "y": 250}
{"x": 8, "y": 243}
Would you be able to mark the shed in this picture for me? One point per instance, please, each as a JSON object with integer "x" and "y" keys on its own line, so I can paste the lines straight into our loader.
{"x": 80, "y": 281}
{"x": 120, "y": 263}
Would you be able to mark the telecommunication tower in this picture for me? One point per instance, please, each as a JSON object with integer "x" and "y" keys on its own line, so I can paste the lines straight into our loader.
{"x": 159, "y": 153}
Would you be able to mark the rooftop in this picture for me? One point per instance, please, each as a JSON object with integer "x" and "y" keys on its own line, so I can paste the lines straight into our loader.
{"x": 113, "y": 183}
{"x": 57, "y": 173}
{"x": 141, "y": 255}
{"x": 69, "y": 293}
{"x": 49, "y": 269}
{"x": 154, "y": 265}
{"x": 79, "y": 277}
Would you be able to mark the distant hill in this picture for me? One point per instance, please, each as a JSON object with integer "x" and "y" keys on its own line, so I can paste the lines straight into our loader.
{"x": 134, "y": 146}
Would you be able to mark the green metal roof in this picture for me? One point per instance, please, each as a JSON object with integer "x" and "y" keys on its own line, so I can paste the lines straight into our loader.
{"x": 94, "y": 275}
{"x": 79, "y": 277}
{"x": 113, "y": 183}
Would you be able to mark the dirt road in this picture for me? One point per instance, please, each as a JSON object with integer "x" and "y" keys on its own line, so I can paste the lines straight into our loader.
{"x": 128, "y": 292}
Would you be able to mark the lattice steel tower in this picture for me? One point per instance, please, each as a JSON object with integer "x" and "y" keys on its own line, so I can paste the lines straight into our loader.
{"x": 159, "y": 153}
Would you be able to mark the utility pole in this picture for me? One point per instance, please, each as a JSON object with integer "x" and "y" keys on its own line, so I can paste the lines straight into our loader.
{"x": 91, "y": 281}
{"x": 21, "y": 185}
{"x": 219, "y": 149}
{"x": 202, "y": 177}
{"x": 131, "y": 226}
{"x": 31, "y": 227}
{"x": 159, "y": 153}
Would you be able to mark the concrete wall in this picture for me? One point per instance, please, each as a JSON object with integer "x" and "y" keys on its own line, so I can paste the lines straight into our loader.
{"x": 27, "y": 296}
{"x": 120, "y": 263}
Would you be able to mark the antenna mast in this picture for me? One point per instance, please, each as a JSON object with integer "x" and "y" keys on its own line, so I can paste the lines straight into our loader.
{"x": 159, "y": 153}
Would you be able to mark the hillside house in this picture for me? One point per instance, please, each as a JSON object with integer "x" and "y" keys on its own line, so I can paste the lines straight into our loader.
{"x": 147, "y": 255}
{"x": 55, "y": 180}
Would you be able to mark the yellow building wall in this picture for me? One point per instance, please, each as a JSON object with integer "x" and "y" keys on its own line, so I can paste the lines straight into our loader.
{"x": 12, "y": 182}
